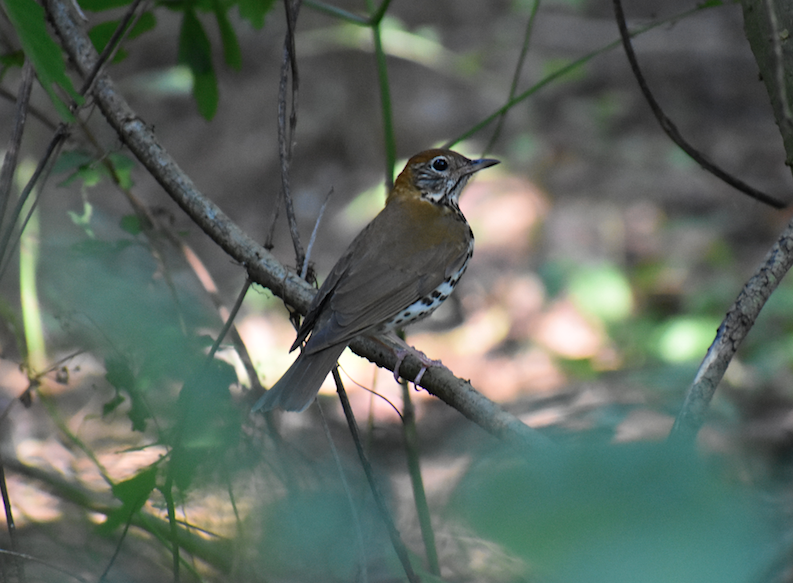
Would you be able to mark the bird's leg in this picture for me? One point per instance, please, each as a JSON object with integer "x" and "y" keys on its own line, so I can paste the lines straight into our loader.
{"x": 405, "y": 350}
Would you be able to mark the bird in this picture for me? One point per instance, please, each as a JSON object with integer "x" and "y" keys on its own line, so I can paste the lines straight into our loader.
{"x": 396, "y": 271}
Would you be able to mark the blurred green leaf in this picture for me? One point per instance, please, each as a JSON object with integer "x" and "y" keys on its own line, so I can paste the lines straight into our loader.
{"x": 554, "y": 276}
{"x": 83, "y": 221}
{"x": 685, "y": 338}
{"x": 99, "y": 5}
{"x": 83, "y": 166}
{"x": 27, "y": 17}
{"x": 119, "y": 374}
{"x": 101, "y": 33}
{"x": 87, "y": 168}
{"x": 602, "y": 291}
{"x": 71, "y": 160}
{"x": 133, "y": 494}
{"x": 131, "y": 224}
{"x": 552, "y": 66}
{"x": 195, "y": 51}
{"x": 112, "y": 404}
{"x": 254, "y": 11}
{"x": 13, "y": 59}
{"x": 311, "y": 534}
{"x": 618, "y": 514}
{"x": 100, "y": 250}
{"x": 209, "y": 424}
{"x": 231, "y": 47}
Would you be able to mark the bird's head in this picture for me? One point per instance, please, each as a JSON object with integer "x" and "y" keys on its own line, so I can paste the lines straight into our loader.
{"x": 437, "y": 176}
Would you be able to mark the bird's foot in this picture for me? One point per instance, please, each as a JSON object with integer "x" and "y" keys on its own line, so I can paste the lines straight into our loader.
{"x": 426, "y": 362}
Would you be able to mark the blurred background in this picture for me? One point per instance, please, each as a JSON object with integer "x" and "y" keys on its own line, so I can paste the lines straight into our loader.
{"x": 605, "y": 260}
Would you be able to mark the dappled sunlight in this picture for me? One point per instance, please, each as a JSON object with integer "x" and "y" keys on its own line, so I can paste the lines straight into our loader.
{"x": 564, "y": 331}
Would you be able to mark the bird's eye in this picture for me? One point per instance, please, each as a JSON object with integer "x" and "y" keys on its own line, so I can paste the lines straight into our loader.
{"x": 440, "y": 164}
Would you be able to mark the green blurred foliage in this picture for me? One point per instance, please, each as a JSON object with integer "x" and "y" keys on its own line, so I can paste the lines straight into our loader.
{"x": 101, "y": 33}
{"x": 27, "y": 17}
{"x": 133, "y": 494}
{"x": 195, "y": 51}
{"x": 618, "y": 513}
{"x": 313, "y": 535}
{"x": 603, "y": 292}
{"x": 194, "y": 46}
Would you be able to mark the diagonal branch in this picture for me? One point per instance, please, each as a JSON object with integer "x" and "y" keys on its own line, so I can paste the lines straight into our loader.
{"x": 261, "y": 266}
{"x": 671, "y": 129}
{"x": 287, "y": 138}
{"x": 733, "y": 329}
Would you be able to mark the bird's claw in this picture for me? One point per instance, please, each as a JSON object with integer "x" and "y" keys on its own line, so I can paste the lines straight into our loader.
{"x": 426, "y": 362}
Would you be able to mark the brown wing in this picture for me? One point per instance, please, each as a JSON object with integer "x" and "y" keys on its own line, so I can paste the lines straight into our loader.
{"x": 400, "y": 257}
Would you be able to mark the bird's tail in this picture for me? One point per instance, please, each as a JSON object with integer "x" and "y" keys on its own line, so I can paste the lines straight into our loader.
{"x": 300, "y": 384}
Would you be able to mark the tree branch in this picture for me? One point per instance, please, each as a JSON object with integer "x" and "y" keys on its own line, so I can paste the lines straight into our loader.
{"x": 733, "y": 329}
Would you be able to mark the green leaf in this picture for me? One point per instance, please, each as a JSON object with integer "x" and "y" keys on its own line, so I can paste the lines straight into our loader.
{"x": 71, "y": 160}
{"x": 205, "y": 92}
{"x": 208, "y": 426}
{"x": 100, "y": 34}
{"x": 84, "y": 220}
{"x": 27, "y": 18}
{"x": 231, "y": 47}
{"x": 133, "y": 494}
{"x": 119, "y": 374}
{"x": 123, "y": 165}
{"x": 254, "y": 11}
{"x": 88, "y": 169}
{"x": 112, "y": 404}
{"x": 131, "y": 224}
{"x": 196, "y": 52}
{"x": 80, "y": 165}
{"x": 13, "y": 59}
{"x": 99, "y": 5}
{"x": 602, "y": 291}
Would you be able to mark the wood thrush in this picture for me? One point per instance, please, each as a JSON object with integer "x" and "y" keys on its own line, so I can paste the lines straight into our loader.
{"x": 399, "y": 269}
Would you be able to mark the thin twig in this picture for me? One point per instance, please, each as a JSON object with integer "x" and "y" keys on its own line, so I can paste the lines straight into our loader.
{"x": 779, "y": 66}
{"x": 524, "y": 50}
{"x": 671, "y": 130}
{"x": 377, "y": 16}
{"x": 43, "y": 169}
{"x": 733, "y": 329}
{"x": 285, "y": 139}
{"x": 337, "y": 12}
{"x": 32, "y": 110}
{"x": 389, "y": 135}
{"x": 52, "y": 566}
{"x": 14, "y": 142}
{"x": 12, "y": 529}
{"x": 112, "y": 45}
{"x": 385, "y": 513}
{"x": 117, "y": 550}
{"x": 566, "y": 69}
{"x": 230, "y": 320}
{"x": 414, "y": 469}
{"x": 313, "y": 238}
{"x": 167, "y": 492}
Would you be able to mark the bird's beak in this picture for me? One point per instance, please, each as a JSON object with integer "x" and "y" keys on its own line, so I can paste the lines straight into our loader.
{"x": 481, "y": 164}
